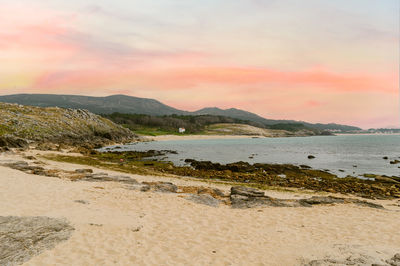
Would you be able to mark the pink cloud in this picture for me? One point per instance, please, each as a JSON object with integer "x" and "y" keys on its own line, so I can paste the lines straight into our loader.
{"x": 241, "y": 78}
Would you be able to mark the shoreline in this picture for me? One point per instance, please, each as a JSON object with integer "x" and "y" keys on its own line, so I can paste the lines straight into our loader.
{"x": 205, "y": 137}
{"x": 197, "y": 137}
{"x": 115, "y": 223}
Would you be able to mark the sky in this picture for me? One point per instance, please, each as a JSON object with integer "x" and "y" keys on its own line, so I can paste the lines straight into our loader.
{"x": 315, "y": 60}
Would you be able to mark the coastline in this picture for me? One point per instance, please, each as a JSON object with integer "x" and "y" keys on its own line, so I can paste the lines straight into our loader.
{"x": 197, "y": 137}
{"x": 115, "y": 223}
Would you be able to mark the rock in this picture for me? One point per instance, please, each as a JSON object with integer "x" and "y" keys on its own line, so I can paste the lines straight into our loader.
{"x": 246, "y": 191}
{"x": 13, "y": 142}
{"x": 25, "y": 167}
{"x": 21, "y": 238}
{"x": 385, "y": 179}
{"x": 99, "y": 177}
{"x": 83, "y": 171}
{"x": 104, "y": 177}
{"x": 245, "y": 197}
{"x": 394, "y": 162}
{"x": 242, "y": 197}
{"x": 241, "y": 202}
{"x": 204, "y": 199}
{"x": 4, "y": 149}
{"x": 315, "y": 200}
{"x": 367, "y": 204}
{"x": 81, "y": 201}
{"x": 310, "y": 156}
{"x": 395, "y": 261}
{"x": 166, "y": 187}
{"x": 385, "y": 158}
{"x": 145, "y": 188}
{"x": 319, "y": 200}
{"x": 124, "y": 179}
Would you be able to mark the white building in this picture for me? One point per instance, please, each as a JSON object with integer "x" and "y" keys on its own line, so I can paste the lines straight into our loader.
{"x": 182, "y": 130}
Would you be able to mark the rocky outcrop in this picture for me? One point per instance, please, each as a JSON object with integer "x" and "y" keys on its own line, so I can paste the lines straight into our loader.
{"x": 240, "y": 196}
{"x": 244, "y": 197}
{"x": 287, "y": 175}
{"x": 21, "y": 238}
{"x": 20, "y": 125}
{"x": 13, "y": 142}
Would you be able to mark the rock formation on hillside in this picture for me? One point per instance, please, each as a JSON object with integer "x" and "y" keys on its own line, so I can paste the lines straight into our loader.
{"x": 20, "y": 125}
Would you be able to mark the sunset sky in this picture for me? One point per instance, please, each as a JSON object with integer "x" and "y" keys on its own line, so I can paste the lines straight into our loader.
{"x": 311, "y": 60}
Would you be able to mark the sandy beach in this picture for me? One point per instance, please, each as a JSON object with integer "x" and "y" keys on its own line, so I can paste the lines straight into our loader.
{"x": 115, "y": 225}
{"x": 196, "y": 137}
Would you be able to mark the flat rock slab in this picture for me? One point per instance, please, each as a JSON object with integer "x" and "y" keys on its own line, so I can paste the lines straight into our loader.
{"x": 204, "y": 199}
{"x": 21, "y": 238}
{"x": 165, "y": 187}
{"x": 243, "y": 197}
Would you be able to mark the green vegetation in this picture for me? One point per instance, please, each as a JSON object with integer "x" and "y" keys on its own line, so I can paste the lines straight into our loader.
{"x": 150, "y": 131}
{"x": 169, "y": 124}
{"x": 194, "y": 124}
{"x": 289, "y": 126}
{"x": 4, "y": 129}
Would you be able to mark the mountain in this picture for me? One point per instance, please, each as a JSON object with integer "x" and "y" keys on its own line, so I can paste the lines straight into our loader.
{"x": 240, "y": 114}
{"x": 135, "y": 105}
{"x": 98, "y": 105}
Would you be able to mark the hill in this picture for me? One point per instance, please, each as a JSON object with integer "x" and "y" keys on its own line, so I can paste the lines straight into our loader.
{"x": 204, "y": 124}
{"x": 135, "y": 105}
{"x": 20, "y": 125}
{"x": 99, "y": 105}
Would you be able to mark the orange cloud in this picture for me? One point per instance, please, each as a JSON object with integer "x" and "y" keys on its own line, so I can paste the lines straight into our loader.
{"x": 240, "y": 78}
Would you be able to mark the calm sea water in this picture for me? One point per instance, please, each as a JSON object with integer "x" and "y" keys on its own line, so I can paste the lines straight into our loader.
{"x": 343, "y": 155}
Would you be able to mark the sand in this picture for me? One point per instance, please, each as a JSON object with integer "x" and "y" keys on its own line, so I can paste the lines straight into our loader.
{"x": 196, "y": 137}
{"x": 119, "y": 226}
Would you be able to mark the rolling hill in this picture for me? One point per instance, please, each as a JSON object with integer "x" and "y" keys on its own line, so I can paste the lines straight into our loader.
{"x": 134, "y": 105}
{"x": 99, "y": 105}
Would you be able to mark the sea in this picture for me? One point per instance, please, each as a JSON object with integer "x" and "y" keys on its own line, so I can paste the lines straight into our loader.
{"x": 343, "y": 155}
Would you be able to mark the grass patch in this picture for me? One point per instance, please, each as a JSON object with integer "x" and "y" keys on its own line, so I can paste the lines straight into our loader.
{"x": 151, "y": 131}
{"x": 4, "y": 129}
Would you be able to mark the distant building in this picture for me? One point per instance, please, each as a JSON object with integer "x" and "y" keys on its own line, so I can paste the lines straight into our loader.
{"x": 182, "y": 130}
